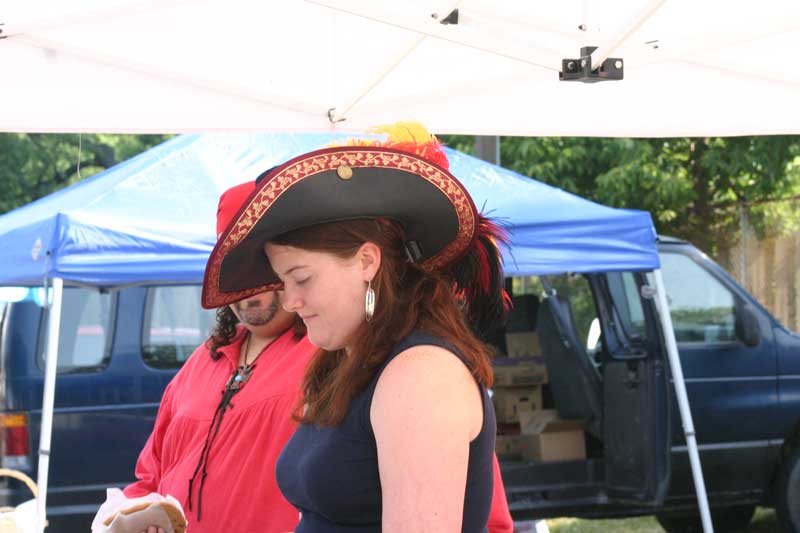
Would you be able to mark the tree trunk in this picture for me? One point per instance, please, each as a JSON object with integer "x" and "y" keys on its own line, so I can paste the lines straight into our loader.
{"x": 702, "y": 230}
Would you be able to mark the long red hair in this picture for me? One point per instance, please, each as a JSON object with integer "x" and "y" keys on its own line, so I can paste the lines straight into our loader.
{"x": 407, "y": 298}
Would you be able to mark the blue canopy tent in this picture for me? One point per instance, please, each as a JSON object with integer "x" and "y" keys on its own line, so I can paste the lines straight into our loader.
{"x": 151, "y": 218}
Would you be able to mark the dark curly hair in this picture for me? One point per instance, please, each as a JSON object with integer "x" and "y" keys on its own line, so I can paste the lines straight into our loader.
{"x": 225, "y": 331}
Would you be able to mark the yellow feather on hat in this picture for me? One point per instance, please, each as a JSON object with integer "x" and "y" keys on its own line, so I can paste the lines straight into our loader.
{"x": 410, "y": 137}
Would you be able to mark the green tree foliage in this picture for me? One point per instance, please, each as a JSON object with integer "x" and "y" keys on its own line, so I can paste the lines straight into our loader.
{"x": 695, "y": 188}
{"x": 34, "y": 165}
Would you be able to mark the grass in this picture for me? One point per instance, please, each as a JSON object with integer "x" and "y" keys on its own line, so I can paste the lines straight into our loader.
{"x": 628, "y": 525}
{"x": 764, "y": 521}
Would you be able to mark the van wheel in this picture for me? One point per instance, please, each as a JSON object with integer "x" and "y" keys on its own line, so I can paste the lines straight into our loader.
{"x": 787, "y": 493}
{"x": 735, "y": 518}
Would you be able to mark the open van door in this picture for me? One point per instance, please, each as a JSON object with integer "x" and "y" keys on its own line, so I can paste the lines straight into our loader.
{"x": 636, "y": 422}
{"x": 612, "y": 375}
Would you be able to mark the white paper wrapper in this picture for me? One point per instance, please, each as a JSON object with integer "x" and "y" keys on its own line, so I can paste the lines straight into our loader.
{"x": 116, "y": 502}
{"x": 23, "y": 517}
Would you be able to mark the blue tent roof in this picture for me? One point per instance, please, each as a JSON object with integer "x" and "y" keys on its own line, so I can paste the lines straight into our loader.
{"x": 151, "y": 218}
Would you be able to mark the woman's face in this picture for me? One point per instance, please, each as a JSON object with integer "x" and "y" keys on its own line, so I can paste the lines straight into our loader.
{"x": 326, "y": 291}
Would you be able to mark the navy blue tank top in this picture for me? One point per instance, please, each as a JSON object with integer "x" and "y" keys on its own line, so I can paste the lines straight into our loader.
{"x": 331, "y": 474}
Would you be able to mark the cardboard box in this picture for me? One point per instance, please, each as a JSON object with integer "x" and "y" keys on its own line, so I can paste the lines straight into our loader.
{"x": 519, "y": 372}
{"x": 508, "y": 448}
{"x": 523, "y": 344}
{"x": 533, "y": 422}
{"x": 508, "y": 403}
{"x": 547, "y": 438}
{"x": 560, "y": 441}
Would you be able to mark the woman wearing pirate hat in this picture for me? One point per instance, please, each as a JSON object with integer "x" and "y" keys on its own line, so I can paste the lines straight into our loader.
{"x": 382, "y": 253}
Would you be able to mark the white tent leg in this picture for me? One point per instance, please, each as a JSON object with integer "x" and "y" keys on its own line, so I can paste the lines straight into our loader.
{"x": 48, "y": 400}
{"x": 683, "y": 400}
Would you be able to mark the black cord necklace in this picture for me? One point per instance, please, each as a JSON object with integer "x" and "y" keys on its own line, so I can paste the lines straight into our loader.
{"x": 241, "y": 375}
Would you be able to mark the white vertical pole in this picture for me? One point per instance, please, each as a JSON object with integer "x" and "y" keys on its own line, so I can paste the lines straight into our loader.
{"x": 683, "y": 401}
{"x": 48, "y": 400}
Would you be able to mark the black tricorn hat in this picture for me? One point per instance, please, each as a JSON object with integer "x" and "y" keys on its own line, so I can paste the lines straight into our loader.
{"x": 442, "y": 227}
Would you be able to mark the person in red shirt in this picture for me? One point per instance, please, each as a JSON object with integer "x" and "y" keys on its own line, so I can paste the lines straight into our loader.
{"x": 217, "y": 455}
{"x": 226, "y": 415}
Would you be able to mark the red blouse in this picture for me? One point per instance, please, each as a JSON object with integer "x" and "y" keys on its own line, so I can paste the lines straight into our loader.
{"x": 240, "y": 493}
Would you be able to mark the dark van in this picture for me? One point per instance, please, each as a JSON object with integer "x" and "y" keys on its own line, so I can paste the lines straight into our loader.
{"x": 117, "y": 352}
{"x": 588, "y": 424}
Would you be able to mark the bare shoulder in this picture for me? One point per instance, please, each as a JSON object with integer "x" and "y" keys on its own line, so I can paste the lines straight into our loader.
{"x": 425, "y": 366}
{"x": 427, "y": 387}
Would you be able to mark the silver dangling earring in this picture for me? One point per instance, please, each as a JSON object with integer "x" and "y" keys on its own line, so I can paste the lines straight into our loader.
{"x": 369, "y": 301}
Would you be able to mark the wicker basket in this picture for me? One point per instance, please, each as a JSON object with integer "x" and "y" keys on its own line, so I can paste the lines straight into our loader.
{"x": 8, "y": 522}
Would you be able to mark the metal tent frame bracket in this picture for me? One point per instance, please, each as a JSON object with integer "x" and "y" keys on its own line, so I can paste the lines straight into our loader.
{"x": 452, "y": 18}
{"x": 580, "y": 69}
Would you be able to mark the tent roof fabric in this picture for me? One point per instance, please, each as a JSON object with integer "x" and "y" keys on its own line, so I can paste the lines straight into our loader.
{"x": 130, "y": 66}
{"x": 151, "y": 219}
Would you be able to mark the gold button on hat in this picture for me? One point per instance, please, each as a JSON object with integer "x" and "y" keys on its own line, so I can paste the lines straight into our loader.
{"x": 344, "y": 172}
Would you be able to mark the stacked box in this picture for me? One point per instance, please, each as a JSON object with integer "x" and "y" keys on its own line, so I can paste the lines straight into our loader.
{"x": 543, "y": 438}
{"x": 530, "y": 432}
{"x": 523, "y": 344}
{"x": 517, "y": 389}
{"x": 521, "y": 372}
{"x": 509, "y": 402}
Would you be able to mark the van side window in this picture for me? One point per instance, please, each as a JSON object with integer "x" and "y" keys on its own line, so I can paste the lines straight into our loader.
{"x": 84, "y": 332}
{"x": 174, "y": 325}
{"x": 702, "y": 308}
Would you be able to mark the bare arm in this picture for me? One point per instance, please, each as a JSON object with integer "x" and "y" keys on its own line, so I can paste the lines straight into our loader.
{"x": 426, "y": 409}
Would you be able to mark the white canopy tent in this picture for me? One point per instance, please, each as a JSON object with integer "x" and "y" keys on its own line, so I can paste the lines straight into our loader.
{"x": 690, "y": 69}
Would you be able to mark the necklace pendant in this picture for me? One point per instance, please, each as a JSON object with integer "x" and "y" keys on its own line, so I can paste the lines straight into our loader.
{"x": 240, "y": 378}
{"x": 243, "y": 374}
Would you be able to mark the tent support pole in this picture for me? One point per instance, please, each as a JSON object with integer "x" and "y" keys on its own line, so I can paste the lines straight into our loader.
{"x": 339, "y": 114}
{"x": 683, "y": 401}
{"x": 497, "y": 45}
{"x": 606, "y": 49}
{"x": 48, "y": 400}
